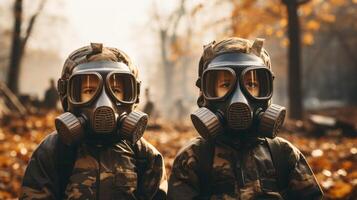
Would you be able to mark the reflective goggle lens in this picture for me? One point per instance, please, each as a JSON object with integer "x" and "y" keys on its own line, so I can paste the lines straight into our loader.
{"x": 217, "y": 83}
{"x": 122, "y": 86}
{"x": 83, "y": 87}
{"x": 258, "y": 82}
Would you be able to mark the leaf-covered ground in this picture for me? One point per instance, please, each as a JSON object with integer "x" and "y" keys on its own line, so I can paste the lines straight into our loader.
{"x": 333, "y": 158}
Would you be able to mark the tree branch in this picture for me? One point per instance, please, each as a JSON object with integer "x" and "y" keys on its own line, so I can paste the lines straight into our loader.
{"x": 31, "y": 24}
{"x": 272, "y": 13}
{"x": 179, "y": 13}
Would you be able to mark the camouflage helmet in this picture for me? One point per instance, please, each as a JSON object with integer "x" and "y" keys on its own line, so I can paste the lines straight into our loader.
{"x": 92, "y": 52}
{"x": 229, "y": 45}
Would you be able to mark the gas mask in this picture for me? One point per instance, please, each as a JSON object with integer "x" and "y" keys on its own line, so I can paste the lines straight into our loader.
{"x": 236, "y": 89}
{"x": 100, "y": 96}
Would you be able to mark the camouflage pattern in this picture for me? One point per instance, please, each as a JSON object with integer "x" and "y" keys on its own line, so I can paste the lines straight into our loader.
{"x": 229, "y": 45}
{"x": 98, "y": 173}
{"x": 233, "y": 44}
{"x": 241, "y": 170}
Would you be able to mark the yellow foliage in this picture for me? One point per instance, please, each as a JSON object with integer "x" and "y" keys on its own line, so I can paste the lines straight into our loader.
{"x": 340, "y": 190}
{"x": 313, "y": 25}
{"x": 284, "y": 42}
{"x": 352, "y": 175}
{"x": 283, "y": 22}
{"x": 328, "y": 18}
{"x": 252, "y": 17}
{"x": 260, "y": 26}
{"x": 346, "y": 165}
{"x": 338, "y": 2}
{"x": 306, "y": 10}
{"x": 325, "y": 7}
{"x": 279, "y": 33}
{"x": 269, "y": 31}
{"x": 276, "y": 7}
{"x": 308, "y": 39}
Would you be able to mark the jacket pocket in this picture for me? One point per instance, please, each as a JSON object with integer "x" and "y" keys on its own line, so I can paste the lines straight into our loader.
{"x": 125, "y": 184}
{"x": 81, "y": 185}
{"x": 269, "y": 189}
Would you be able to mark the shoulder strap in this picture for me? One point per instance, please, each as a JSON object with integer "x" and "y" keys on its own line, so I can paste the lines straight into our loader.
{"x": 280, "y": 161}
{"x": 66, "y": 157}
{"x": 141, "y": 166}
{"x": 141, "y": 161}
{"x": 206, "y": 156}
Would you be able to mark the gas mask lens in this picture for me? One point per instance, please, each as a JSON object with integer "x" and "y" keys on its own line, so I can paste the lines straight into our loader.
{"x": 217, "y": 83}
{"x": 122, "y": 87}
{"x": 83, "y": 87}
{"x": 257, "y": 82}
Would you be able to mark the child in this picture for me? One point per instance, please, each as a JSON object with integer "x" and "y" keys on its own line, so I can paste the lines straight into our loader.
{"x": 238, "y": 155}
{"x": 97, "y": 151}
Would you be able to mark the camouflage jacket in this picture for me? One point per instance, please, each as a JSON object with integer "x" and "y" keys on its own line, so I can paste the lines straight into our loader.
{"x": 98, "y": 173}
{"x": 241, "y": 171}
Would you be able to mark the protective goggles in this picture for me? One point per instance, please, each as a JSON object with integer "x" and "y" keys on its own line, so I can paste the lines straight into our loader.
{"x": 256, "y": 82}
{"x": 86, "y": 86}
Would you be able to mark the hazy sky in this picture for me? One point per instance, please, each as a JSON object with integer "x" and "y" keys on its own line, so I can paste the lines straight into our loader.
{"x": 123, "y": 24}
{"x": 113, "y": 22}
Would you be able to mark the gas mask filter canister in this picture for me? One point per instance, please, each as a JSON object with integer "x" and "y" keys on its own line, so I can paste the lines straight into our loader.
{"x": 130, "y": 127}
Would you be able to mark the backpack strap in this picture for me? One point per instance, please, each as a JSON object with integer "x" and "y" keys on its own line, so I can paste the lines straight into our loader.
{"x": 66, "y": 157}
{"x": 280, "y": 161}
{"x": 206, "y": 155}
{"x": 141, "y": 161}
{"x": 141, "y": 164}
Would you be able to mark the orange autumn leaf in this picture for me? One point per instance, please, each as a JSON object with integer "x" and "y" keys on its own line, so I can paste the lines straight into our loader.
{"x": 308, "y": 39}
{"x": 340, "y": 190}
{"x": 313, "y": 25}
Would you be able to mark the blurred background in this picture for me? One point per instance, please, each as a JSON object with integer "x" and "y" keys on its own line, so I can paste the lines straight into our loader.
{"x": 312, "y": 44}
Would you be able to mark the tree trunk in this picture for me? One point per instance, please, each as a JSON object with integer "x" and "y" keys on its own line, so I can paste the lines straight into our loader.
{"x": 294, "y": 69}
{"x": 16, "y": 49}
{"x": 186, "y": 63}
{"x": 19, "y": 43}
{"x": 167, "y": 68}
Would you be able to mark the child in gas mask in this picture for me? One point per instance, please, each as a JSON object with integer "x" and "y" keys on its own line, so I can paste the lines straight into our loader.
{"x": 97, "y": 151}
{"x": 239, "y": 155}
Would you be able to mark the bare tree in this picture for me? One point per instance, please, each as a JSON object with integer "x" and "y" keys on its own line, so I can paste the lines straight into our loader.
{"x": 19, "y": 42}
{"x": 168, "y": 36}
{"x": 294, "y": 68}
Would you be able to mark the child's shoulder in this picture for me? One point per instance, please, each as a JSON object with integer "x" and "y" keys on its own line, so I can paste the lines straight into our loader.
{"x": 46, "y": 150}
{"x": 48, "y": 144}
{"x": 287, "y": 145}
{"x": 191, "y": 152}
{"x": 194, "y": 145}
{"x": 288, "y": 148}
{"x": 145, "y": 148}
